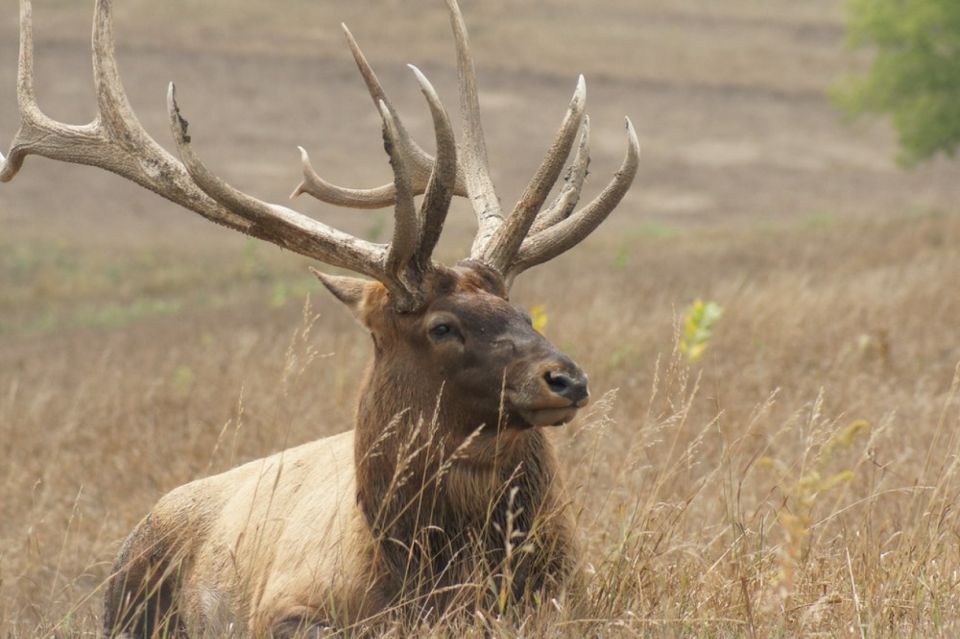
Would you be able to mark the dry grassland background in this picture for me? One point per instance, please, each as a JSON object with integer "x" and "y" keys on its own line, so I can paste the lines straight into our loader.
{"x": 800, "y": 479}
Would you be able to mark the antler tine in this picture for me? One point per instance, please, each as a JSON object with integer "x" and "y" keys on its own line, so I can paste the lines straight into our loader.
{"x": 501, "y": 250}
{"x": 278, "y": 224}
{"x": 419, "y": 162}
{"x": 442, "y": 184}
{"x": 406, "y": 231}
{"x": 482, "y": 194}
{"x": 26, "y": 96}
{"x": 569, "y": 194}
{"x": 115, "y": 112}
{"x": 313, "y": 184}
{"x": 37, "y": 134}
{"x": 26, "y": 99}
{"x": 566, "y": 234}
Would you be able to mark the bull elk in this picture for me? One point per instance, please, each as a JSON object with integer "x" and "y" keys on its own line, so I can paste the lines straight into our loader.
{"x": 446, "y": 493}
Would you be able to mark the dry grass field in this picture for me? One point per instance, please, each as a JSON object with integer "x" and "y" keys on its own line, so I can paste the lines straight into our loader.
{"x": 801, "y": 479}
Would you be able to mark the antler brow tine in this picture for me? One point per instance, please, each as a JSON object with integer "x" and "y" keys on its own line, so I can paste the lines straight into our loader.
{"x": 313, "y": 184}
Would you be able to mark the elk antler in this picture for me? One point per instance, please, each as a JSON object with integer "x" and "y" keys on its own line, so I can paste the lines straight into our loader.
{"x": 117, "y": 142}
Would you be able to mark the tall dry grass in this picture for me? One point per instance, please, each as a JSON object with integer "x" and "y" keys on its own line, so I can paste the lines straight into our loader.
{"x": 800, "y": 479}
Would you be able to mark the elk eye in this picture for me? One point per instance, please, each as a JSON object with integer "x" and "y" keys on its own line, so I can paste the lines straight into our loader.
{"x": 440, "y": 330}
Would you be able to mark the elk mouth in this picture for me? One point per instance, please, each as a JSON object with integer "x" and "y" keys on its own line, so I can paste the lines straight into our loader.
{"x": 546, "y": 416}
{"x": 529, "y": 408}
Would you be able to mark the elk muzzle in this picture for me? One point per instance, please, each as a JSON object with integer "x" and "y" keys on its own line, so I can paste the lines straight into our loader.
{"x": 551, "y": 394}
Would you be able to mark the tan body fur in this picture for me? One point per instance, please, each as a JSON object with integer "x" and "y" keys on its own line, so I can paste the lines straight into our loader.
{"x": 275, "y": 538}
{"x": 249, "y": 551}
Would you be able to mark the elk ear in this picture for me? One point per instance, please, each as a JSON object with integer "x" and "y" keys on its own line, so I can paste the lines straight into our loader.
{"x": 352, "y": 291}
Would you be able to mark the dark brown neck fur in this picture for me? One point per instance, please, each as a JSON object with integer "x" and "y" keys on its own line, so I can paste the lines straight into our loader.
{"x": 451, "y": 506}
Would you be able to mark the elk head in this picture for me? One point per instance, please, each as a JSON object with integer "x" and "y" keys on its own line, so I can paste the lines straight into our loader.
{"x": 454, "y": 326}
{"x": 469, "y": 345}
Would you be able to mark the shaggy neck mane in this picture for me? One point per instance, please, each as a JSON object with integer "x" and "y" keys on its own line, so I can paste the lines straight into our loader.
{"x": 437, "y": 490}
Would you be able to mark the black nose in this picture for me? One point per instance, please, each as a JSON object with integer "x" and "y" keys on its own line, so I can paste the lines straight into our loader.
{"x": 572, "y": 388}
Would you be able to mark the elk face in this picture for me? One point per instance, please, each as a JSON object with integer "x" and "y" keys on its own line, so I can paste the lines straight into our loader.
{"x": 472, "y": 345}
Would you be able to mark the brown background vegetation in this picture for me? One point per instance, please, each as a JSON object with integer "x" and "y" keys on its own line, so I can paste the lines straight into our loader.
{"x": 141, "y": 348}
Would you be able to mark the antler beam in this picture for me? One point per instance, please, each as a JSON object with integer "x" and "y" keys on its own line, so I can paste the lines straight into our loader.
{"x": 288, "y": 228}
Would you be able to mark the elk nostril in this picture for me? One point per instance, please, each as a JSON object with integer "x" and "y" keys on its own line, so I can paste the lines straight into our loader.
{"x": 558, "y": 382}
{"x": 570, "y": 388}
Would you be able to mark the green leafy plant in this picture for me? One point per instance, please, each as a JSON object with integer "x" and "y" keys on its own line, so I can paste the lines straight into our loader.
{"x": 698, "y": 324}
